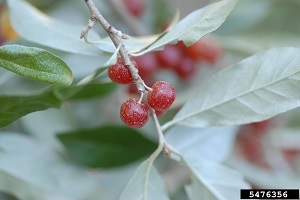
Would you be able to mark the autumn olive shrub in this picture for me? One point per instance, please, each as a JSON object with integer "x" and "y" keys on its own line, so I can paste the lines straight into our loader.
{"x": 141, "y": 116}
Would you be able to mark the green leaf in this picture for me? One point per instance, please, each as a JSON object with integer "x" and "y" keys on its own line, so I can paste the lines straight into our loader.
{"x": 37, "y": 27}
{"x": 35, "y": 63}
{"x": 107, "y": 146}
{"x": 214, "y": 181}
{"x": 195, "y": 25}
{"x": 15, "y": 107}
{"x": 257, "y": 88}
{"x": 32, "y": 170}
{"x": 143, "y": 186}
{"x": 84, "y": 91}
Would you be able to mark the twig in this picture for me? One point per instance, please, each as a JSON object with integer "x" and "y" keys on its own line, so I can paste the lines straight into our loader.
{"x": 86, "y": 29}
{"x": 167, "y": 148}
{"x": 116, "y": 37}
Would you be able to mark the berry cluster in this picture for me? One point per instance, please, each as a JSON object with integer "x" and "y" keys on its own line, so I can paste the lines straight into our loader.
{"x": 177, "y": 58}
{"x": 135, "y": 113}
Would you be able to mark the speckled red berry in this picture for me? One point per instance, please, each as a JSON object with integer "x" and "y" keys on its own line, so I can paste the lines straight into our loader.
{"x": 162, "y": 96}
{"x": 119, "y": 73}
{"x": 134, "y": 114}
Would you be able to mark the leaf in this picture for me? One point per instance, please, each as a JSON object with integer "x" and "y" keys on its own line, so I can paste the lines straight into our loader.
{"x": 31, "y": 170}
{"x": 190, "y": 30}
{"x": 87, "y": 91}
{"x": 202, "y": 142}
{"x": 15, "y": 107}
{"x": 107, "y": 146}
{"x": 44, "y": 125}
{"x": 195, "y": 25}
{"x": 214, "y": 181}
{"x": 202, "y": 150}
{"x": 35, "y": 63}
{"x": 257, "y": 88}
{"x": 62, "y": 36}
{"x": 143, "y": 187}
{"x": 37, "y": 27}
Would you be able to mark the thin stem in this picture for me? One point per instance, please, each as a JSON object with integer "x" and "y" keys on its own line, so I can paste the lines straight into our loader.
{"x": 86, "y": 29}
{"x": 160, "y": 134}
{"x": 147, "y": 88}
{"x": 168, "y": 149}
{"x": 154, "y": 155}
{"x": 141, "y": 97}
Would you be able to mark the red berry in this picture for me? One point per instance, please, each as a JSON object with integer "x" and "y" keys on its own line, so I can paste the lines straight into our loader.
{"x": 134, "y": 114}
{"x": 135, "y": 7}
{"x": 162, "y": 96}
{"x": 169, "y": 57}
{"x": 147, "y": 64}
{"x": 186, "y": 68}
{"x": 119, "y": 73}
{"x": 204, "y": 49}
